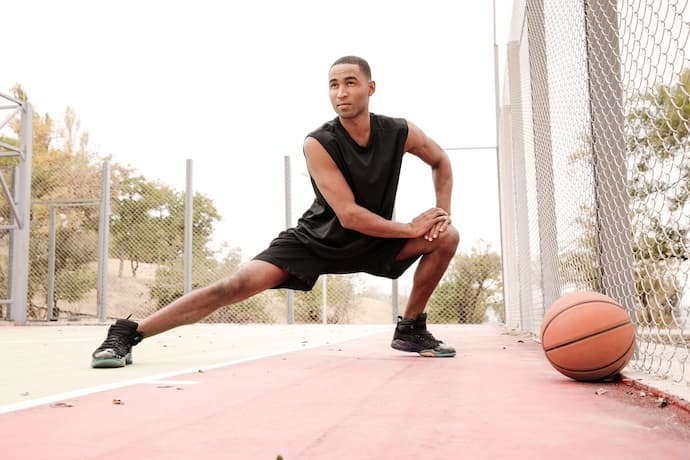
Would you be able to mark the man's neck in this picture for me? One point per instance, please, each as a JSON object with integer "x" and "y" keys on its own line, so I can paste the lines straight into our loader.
{"x": 359, "y": 128}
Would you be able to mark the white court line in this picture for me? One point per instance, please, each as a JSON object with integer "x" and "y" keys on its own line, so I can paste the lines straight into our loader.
{"x": 24, "y": 342}
{"x": 156, "y": 378}
{"x": 172, "y": 382}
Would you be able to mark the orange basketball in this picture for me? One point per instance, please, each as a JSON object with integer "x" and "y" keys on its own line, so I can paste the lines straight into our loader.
{"x": 587, "y": 336}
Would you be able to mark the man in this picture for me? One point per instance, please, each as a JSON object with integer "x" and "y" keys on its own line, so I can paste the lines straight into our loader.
{"x": 354, "y": 163}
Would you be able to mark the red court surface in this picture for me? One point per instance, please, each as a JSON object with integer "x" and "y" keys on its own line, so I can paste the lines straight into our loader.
{"x": 359, "y": 399}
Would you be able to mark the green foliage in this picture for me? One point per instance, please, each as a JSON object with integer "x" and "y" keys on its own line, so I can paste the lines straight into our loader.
{"x": 147, "y": 222}
{"x": 659, "y": 188}
{"x": 71, "y": 285}
{"x": 470, "y": 286}
{"x": 661, "y": 118}
{"x": 340, "y": 300}
{"x": 75, "y": 251}
{"x": 61, "y": 171}
{"x": 579, "y": 264}
{"x": 4, "y": 268}
{"x": 169, "y": 285}
{"x": 140, "y": 217}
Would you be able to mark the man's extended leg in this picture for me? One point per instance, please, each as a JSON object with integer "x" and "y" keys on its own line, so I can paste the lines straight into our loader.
{"x": 411, "y": 333}
{"x": 254, "y": 277}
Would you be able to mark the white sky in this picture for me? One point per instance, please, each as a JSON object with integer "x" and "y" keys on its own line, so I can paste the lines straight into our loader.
{"x": 235, "y": 86}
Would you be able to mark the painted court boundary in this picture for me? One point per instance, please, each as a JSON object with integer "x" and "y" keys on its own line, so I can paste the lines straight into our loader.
{"x": 157, "y": 378}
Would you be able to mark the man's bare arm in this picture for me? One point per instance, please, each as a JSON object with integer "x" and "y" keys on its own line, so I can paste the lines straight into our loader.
{"x": 339, "y": 196}
{"x": 422, "y": 146}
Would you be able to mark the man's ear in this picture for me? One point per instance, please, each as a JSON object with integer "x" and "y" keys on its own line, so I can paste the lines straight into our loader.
{"x": 372, "y": 87}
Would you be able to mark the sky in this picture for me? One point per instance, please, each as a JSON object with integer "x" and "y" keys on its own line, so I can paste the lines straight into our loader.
{"x": 236, "y": 86}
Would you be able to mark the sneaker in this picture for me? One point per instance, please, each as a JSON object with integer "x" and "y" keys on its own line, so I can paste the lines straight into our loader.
{"x": 411, "y": 335}
{"x": 116, "y": 349}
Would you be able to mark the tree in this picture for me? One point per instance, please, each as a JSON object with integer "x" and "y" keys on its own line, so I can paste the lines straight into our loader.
{"x": 64, "y": 170}
{"x": 340, "y": 300}
{"x": 148, "y": 222}
{"x": 74, "y": 249}
{"x": 147, "y": 219}
{"x": 658, "y": 146}
{"x": 204, "y": 217}
{"x": 659, "y": 188}
{"x": 140, "y": 222}
{"x": 61, "y": 173}
{"x": 169, "y": 282}
{"x": 579, "y": 264}
{"x": 469, "y": 287}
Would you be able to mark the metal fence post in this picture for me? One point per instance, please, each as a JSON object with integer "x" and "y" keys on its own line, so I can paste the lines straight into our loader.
{"x": 324, "y": 300}
{"x": 103, "y": 243}
{"x": 609, "y": 151}
{"x": 395, "y": 307}
{"x": 188, "y": 224}
{"x": 19, "y": 278}
{"x": 288, "y": 223}
{"x": 541, "y": 124}
{"x": 50, "y": 291}
{"x": 519, "y": 199}
{"x": 395, "y": 300}
{"x": 509, "y": 251}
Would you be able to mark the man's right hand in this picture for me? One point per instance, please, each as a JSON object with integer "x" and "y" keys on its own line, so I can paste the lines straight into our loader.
{"x": 430, "y": 223}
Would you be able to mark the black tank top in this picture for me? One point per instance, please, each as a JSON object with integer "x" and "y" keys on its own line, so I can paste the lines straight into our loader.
{"x": 372, "y": 172}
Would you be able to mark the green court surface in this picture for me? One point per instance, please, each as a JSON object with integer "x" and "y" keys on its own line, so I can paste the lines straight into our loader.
{"x": 44, "y": 361}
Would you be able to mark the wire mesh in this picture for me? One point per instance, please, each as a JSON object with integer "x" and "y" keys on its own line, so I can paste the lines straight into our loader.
{"x": 146, "y": 260}
{"x": 600, "y": 107}
{"x": 8, "y": 137}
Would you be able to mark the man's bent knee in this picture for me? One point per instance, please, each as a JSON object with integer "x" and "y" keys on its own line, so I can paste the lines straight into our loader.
{"x": 446, "y": 242}
{"x": 450, "y": 238}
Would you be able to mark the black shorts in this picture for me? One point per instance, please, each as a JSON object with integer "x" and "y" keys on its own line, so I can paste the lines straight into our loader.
{"x": 305, "y": 266}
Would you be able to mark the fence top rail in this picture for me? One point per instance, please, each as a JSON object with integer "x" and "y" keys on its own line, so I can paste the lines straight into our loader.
{"x": 10, "y": 98}
{"x": 78, "y": 202}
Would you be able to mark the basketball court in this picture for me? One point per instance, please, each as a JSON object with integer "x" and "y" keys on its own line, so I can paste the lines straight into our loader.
{"x": 318, "y": 392}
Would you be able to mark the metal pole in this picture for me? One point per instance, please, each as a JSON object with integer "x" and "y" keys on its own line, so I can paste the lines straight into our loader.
{"x": 324, "y": 300}
{"x": 103, "y": 243}
{"x": 395, "y": 307}
{"x": 606, "y": 96}
{"x": 20, "y": 247}
{"x": 497, "y": 115}
{"x": 188, "y": 223}
{"x": 10, "y": 252}
{"x": 288, "y": 224}
{"x": 50, "y": 300}
{"x": 522, "y": 267}
{"x": 395, "y": 300}
{"x": 543, "y": 153}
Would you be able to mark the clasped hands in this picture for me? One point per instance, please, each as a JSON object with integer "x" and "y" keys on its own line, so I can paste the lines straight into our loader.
{"x": 430, "y": 224}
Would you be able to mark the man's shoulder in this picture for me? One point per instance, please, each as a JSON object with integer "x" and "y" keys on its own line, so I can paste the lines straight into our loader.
{"x": 324, "y": 134}
{"x": 325, "y": 129}
{"x": 387, "y": 122}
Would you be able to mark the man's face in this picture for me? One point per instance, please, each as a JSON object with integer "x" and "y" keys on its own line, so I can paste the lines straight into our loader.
{"x": 349, "y": 90}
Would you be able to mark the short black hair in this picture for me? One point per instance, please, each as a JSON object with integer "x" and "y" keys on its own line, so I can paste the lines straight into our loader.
{"x": 358, "y": 61}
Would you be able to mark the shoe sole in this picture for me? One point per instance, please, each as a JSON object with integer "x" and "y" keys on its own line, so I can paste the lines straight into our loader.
{"x": 435, "y": 354}
{"x": 404, "y": 346}
{"x": 107, "y": 363}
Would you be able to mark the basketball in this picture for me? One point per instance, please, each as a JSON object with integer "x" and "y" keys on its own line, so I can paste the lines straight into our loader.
{"x": 587, "y": 336}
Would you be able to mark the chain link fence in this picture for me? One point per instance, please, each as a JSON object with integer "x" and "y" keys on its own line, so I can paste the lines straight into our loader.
{"x": 15, "y": 195}
{"x": 594, "y": 166}
{"x": 107, "y": 242}
{"x": 8, "y": 163}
